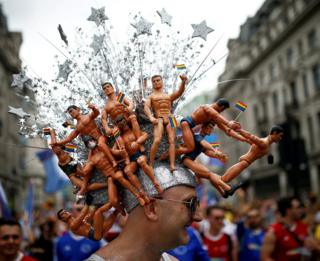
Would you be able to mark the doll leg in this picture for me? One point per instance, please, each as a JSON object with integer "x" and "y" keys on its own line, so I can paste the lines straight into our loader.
{"x": 234, "y": 171}
{"x": 157, "y": 135}
{"x": 172, "y": 146}
{"x": 187, "y": 136}
{"x": 148, "y": 170}
{"x": 136, "y": 129}
{"x": 113, "y": 196}
{"x": 105, "y": 149}
{"x": 98, "y": 221}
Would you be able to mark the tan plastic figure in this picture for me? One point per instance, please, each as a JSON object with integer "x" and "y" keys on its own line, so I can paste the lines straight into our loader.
{"x": 132, "y": 146}
{"x": 80, "y": 226}
{"x": 204, "y": 114}
{"x": 260, "y": 147}
{"x": 69, "y": 167}
{"x": 98, "y": 160}
{"x": 158, "y": 108}
{"x": 86, "y": 126}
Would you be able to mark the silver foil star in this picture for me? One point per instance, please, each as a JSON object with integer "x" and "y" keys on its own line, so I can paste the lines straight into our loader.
{"x": 64, "y": 70}
{"x": 165, "y": 17}
{"x": 97, "y": 44}
{"x": 201, "y": 30}
{"x": 21, "y": 80}
{"x": 143, "y": 27}
{"x": 98, "y": 16}
{"x": 19, "y": 112}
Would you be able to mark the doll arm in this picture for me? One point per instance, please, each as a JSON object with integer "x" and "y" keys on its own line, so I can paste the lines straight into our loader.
{"x": 175, "y": 95}
{"x": 70, "y": 138}
{"x": 95, "y": 112}
{"x": 75, "y": 224}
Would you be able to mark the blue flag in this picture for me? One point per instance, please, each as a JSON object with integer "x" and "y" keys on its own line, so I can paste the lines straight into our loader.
{"x": 56, "y": 179}
{"x": 4, "y": 207}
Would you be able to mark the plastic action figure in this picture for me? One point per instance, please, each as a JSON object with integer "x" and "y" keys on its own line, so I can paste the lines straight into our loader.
{"x": 260, "y": 147}
{"x": 158, "y": 108}
{"x": 70, "y": 167}
{"x": 86, "y": 126}
{"x": 80, "y": 225}
{"x": 132, "y": 145}
{"x": 118, "y": 106}
{"x": 208, "y": 113}
{"x": 98, "y": 160}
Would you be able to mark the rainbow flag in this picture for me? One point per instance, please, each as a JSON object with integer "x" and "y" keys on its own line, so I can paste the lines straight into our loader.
{"x": 181, "y": 66}
{"x": 173, "y": 122}
{"x": 70, "y": 147}
{"x": 215, "y": 145}
{"x": 67, "y": 124}
{"x": 241, "y": 106}
{"x": 120, "y": 97}
{"x": 46, "y": 131}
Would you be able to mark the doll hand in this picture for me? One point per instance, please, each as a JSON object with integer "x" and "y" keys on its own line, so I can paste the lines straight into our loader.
{"x": 135, "y": 146}
{"x": 154, "y": 121}
{"x": 234, "y": 125}
{"x": 183, "y": 78}
{"x": 91, "y": 106}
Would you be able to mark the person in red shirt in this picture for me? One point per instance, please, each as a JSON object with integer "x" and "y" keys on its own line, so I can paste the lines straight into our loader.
{"x": 10, "y": 241}
{"x": 287, "y": 239}
{"x": 220, "y": 245}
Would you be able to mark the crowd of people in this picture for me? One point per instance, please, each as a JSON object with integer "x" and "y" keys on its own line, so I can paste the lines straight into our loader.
{"x": 286, "y": 229}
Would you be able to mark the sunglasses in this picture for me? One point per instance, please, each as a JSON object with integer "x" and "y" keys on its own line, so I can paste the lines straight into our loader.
{"x": 192, "y": 204}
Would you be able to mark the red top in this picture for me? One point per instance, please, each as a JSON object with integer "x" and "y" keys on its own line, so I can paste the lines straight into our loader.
{"x": 218, "y": 246}
{"x": 287, "y": 247}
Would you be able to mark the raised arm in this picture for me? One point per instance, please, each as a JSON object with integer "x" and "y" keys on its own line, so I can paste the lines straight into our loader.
{"x": 233, "y": 134}
{"x": 95, "y": 112}
{"x": 252, "y": 138}
{"x": 128, "y": 103}
{"x": 53, "y": 136}
{"x": 107, "y": 224}
{"x": 175, "y": 95}
{"x": 75, "y": 224}
{"x": 70, "y": 138}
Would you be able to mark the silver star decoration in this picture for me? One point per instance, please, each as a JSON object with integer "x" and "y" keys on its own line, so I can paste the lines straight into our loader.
{"x": 21, "y": 80}
{"x": 97, "y": 44}
{"x": 201, "y": 30}
{"x": 165, "y": 17}
{"x": 143, "y": 26}
{"x": 98, "y": 16}
{"x": 19, "y": 112}
{"x": 64, "y": 70}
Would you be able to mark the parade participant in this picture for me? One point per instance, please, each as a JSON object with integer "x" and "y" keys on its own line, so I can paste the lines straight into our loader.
{"x": 86, "y": 126}
{"x": 10, "y": 241}
{"x": 137, "y": 159}
{"x": 69, "y": 166}
{"x": 160, "y": 225}
{"x": 98, "y": 160}
{"x": 287, "y": 239}
{"x": 158, "y": 108}
{"x": 219, "y": 244}
{"x": 79, "y": 225}
{"x": 260, "y": 147}
{"x": 204, "y": 114}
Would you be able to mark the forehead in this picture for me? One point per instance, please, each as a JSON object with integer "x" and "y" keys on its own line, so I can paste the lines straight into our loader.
{"x": 181, "y": 192}
{"x": 216, "y": 211}
{"x": 10, "y": 230}
{"x": 157, "y": 78}
{"x": 107, "y": 85}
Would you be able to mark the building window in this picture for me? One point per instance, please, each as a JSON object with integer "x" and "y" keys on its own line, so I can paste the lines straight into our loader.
{"x": 305, "y": 85}
{"x": 300, "y": 47}
{"x": 272, "y": 71}
{"x": 311, "y": 133}
{"x": 265, "y": 111}
{"x": 256, "y": 114}
{"x": 1, "y": 125}
{"x": 312, "y": 39}
{"x": 316, "y": 76}
{"x": 294, "y": 96}
{"x": 289, "y": 56}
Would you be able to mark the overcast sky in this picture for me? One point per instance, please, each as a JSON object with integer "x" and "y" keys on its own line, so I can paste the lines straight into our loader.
{"x": 32, "y": 17}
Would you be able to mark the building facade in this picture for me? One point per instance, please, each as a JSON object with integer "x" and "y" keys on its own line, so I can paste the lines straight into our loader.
{"x": 277, "y": 56}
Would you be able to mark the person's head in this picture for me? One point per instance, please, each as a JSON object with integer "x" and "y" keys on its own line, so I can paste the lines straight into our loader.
{"x": 107, "y": 88}
{"x": 121, "y": 122}
{"x": 215, "y": 216}
{"x": 207, "y": 128}
{"x": 10, "y": 238}
{"x": 89, "y": 142}
{"x": 63, "y": 215}
{"x": 157, "y": 82}
{"x": 74, "y": 111}
{"x": 254, "y": 219}
{"x": 169, "y": 214}
{"x": 290, "y": 207}
{"x": 276, "y": 133}
{"x": 221, "y": 104}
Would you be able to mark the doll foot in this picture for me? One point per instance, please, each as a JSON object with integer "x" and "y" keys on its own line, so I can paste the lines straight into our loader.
{"x": 233, "y": 189}
{"x": 141, "y": 200}
{"x": 144, "y": 196}
{"x": 158, "y": 188}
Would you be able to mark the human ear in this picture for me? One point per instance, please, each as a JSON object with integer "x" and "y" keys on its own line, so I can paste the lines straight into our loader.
{"x": 151, "y": 210}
